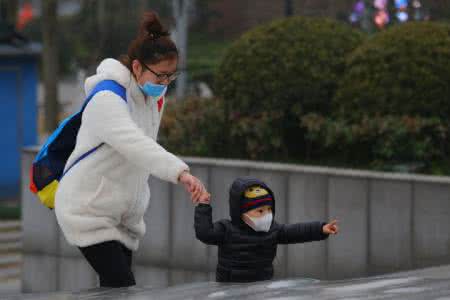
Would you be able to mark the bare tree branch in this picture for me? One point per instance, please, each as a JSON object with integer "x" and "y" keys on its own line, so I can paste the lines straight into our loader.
{"x": 181, "y": 12}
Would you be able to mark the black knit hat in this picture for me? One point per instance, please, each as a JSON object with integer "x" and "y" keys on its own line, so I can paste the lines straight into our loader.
{"x": 254, "y": 197}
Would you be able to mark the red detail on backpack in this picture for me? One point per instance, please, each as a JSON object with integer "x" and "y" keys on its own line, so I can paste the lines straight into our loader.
{"x": 160, "y": 103}
{"x": 33, "y": 187}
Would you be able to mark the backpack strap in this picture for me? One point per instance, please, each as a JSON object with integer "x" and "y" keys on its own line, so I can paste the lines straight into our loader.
{"x": 105, "y": 85}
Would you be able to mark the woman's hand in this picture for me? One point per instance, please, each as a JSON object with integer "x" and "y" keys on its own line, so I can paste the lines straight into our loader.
{"x": 204, "y": 198}
{"x": 193, "y": 185}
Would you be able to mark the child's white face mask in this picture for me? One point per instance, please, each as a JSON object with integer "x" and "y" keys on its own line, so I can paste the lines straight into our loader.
{"x": 262, "y": 223}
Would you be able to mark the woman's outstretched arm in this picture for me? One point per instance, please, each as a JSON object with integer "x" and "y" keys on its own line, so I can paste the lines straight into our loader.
{"x": 108, "y": 118}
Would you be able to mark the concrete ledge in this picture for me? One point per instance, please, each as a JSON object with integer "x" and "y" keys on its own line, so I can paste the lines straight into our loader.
{"x": 314, "y": 170}
{"x": 273, "y": 166}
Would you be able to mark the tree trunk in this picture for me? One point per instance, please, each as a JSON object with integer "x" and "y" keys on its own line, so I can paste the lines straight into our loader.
{"x": 288, "y": 8}
{"x": 181, "y": 10}
{"x": 367, "y": 21}
{"x": 142, "y": 5}
{"x": 102, "y": 25}
{"x": 12, "y": 10}
{"x": 50, "y": 63}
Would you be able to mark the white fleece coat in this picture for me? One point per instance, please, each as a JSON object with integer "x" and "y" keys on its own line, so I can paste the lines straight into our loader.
{"x": 104, "y": 196}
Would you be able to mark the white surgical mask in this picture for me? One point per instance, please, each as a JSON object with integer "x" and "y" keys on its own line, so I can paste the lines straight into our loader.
{"x": 262, "y": 223}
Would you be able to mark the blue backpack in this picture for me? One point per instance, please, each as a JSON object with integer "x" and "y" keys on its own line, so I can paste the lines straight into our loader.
{"x": 48, "y": 166}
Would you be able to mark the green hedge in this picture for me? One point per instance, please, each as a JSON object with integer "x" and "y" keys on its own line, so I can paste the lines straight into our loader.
{"x": 10, "y": 211}
{"x": 276, "y": 73}
{"x": 380, "y": 142}
{"x": 194, "y": 127}
{"x": 389, "y": 113}
{"x": 289, "y": 62}
{"x": 404, "y": 70}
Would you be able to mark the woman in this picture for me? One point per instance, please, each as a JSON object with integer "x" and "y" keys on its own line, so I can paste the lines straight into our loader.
{"x": 101, "y": 202}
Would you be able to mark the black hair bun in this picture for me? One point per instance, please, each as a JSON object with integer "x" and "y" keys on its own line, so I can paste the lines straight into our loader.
{"x": 151, "y": 26}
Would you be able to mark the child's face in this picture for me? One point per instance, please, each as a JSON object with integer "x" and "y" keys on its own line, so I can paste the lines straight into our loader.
{"x": 255, "y": 218}
{"x": 258, "y": 212}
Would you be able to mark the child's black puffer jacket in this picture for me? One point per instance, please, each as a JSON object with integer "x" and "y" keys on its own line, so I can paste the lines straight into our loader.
{"x": 244, "y": 254}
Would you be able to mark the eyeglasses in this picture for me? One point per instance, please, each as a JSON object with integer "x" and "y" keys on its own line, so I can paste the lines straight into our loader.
{"x": 162, "y": 77}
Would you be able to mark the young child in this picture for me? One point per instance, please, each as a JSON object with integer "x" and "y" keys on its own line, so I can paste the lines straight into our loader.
{"x": 248, "y": 242}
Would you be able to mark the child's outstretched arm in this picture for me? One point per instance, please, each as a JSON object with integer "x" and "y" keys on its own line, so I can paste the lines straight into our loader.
{"x": 306, "y": 232}
{"x": 205, "y": 230}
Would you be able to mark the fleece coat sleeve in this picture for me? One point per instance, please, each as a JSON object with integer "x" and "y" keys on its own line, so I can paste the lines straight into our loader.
{"x": 107, "y": 117}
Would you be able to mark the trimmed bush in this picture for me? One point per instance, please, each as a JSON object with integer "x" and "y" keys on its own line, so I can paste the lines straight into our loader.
{"x": 271, "y": 106}
{"x": 379, "y": 142}
{"x": 276, "y": 73}
{"x": 194, "y": 127}
{"x": 404, "y": 70}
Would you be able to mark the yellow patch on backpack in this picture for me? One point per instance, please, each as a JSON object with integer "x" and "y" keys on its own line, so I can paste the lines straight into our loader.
{"x": 47, "y": 194}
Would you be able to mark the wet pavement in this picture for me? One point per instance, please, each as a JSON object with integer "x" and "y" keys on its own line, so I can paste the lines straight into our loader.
{"x": 431, "y": 283}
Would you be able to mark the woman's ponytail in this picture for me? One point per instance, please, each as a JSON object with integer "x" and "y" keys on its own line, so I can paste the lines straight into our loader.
{"x": 152, "y": 44}
{"x": 151, "y": 27}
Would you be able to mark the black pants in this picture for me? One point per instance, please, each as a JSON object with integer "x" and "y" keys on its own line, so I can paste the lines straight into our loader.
{"x": 112, "y": 262}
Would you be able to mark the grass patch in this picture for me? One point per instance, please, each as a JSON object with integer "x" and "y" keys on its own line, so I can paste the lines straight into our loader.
{"x": 204, "y": 56}
{"x": 10, "y": 211}
{"x": 205, "y": 51}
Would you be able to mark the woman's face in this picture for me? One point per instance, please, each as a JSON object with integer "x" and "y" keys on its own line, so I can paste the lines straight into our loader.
{"x": 162, "y": 72}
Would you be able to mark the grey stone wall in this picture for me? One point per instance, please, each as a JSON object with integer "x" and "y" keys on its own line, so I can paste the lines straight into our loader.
{"x": 389, "y": 222}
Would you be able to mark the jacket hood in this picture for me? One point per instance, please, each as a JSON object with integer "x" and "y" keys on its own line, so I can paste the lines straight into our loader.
{"x": 109, "y": 69}
{"x": 237, "y": 190}
{"x": 112, "y": 69}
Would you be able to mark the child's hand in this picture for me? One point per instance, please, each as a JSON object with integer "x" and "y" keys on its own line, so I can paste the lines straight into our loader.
{"x": 204, "y": 198}
{"x": 331, "y": 228}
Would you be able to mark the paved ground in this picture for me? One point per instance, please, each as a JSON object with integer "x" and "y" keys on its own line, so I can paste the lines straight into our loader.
{"x": 426, "y": 284}
{"x": 10, "y": 257}
{"x": 429, "y": 284}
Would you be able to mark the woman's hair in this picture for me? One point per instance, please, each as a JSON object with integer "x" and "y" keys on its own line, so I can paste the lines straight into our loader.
{"x": 152, "y": 44}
